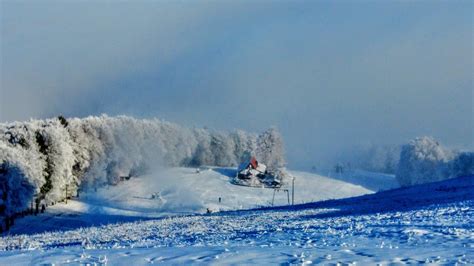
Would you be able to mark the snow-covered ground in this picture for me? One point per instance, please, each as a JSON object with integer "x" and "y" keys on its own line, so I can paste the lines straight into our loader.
{"x": 369, "y": 180}
{"x": 178, "y": 191}
{"x": 431, "y": 223}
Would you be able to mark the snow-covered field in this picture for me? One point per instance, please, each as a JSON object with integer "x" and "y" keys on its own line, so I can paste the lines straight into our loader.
{"x": 431, "y": 223}
{"x": 178, "y": 191}
{"x": 369, "y": 180}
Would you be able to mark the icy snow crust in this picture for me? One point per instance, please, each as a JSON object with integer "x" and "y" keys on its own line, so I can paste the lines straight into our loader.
{"x": 430, "y": 223}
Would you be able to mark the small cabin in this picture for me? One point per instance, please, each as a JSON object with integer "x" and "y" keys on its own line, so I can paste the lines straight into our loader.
{"x": 251, "y": 168}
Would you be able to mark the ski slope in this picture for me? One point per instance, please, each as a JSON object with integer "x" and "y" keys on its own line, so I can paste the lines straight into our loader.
{"x": 178, "y": 191}
{"x": 431, "y": 223}
{"x": 369, "y": 180}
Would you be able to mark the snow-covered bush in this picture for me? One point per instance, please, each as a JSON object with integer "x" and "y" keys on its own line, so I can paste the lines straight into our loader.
{"x": 41, "y": 159}
{"x": 423, "y": 160}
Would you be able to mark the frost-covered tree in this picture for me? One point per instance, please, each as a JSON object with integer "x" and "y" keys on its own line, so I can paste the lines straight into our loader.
{"x": 423, "y": 160}
{"x": 21, "y": 168}
{"x": 462, "y": 165}
{"x": 59, "y": 161}
{"x": 40, "y": 159}
{"x": 245, "y": 145}
{"x": 270, "y": 149}
{"x": 16, "y": 190}
{"x": 202, "y": 154}
{"x": 371, "y": 157}
{"x": 222, "y": 147}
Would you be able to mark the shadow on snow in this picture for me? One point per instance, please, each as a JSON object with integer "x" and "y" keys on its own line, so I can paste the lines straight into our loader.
{"x": 401, "y": 199}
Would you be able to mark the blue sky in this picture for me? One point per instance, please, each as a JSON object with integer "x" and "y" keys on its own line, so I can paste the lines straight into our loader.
{"x": 328, "y": 74}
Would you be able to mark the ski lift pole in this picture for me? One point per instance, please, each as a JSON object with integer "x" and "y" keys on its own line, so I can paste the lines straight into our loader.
{"x": 273, "y": 199}
{"x": 292, "y": 190}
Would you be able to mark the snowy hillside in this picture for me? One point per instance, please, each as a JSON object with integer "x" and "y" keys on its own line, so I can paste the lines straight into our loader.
{"x": 176, "y": 191}
{"x": 431, "y": 223}
{"x": 366, "y": 179}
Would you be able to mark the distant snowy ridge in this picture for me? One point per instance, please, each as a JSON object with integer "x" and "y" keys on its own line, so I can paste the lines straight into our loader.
{"x": 42, "y": 159}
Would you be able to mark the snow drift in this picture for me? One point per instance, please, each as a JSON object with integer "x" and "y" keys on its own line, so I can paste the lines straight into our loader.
{"x": 46, "y": 161}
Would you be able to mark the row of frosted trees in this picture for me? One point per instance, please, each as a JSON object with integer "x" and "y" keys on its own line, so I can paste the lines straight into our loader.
{"x": 425, "y": 160}
{"x": 421, "y": 160}
{"x": 41, "y": 161}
